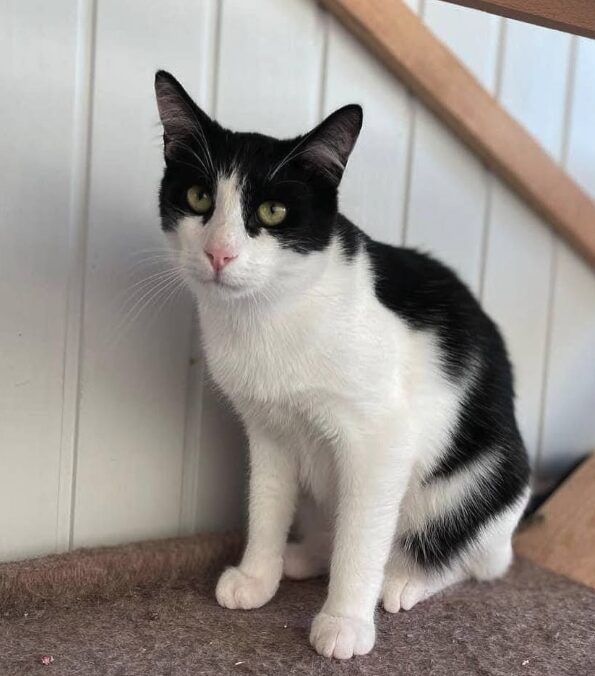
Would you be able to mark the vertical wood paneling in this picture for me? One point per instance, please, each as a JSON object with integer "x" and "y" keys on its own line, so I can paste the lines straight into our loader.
{"x": 38, "y": 43}
{"x": 156, "y": 450}
{"x": 516, "y": 295}
{"x": 193, "y": 427}
{"x": 221, "y": 484}
{"x": 569, "y": 420}
{"x": 518, "y": 270}
{"x": 535, "y": 68}
{"x": 79, "y": 196}
{"x": 270, "y": 79}
{"x": 133, "y": 372}
{"x": 374, "y": 185}
{"x": 269, "y": 82}
{"x": 473, "y": 36}
{"x": 447, "y": 199}
{"x": 580, "y": 160}
{"x": 448, "y": 190}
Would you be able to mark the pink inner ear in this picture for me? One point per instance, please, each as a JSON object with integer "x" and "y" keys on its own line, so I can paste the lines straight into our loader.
{"x": 324, "y": 156}
{"x": 176, "y": 117}
{"x": 329, "y": 145}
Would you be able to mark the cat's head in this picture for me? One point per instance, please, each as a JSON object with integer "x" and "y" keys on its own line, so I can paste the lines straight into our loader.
{"x": 245, "y": 212}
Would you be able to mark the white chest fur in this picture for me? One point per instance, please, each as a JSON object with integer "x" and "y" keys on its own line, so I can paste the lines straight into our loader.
{"x": 328, "y": 359}
{"x": 333, "y": 347}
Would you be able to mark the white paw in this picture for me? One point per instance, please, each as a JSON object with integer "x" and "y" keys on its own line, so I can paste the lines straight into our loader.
{"x": 402, "y": 592}
{"x": 416, "y": 591}
{"x": 300, "y": 564}
{"x": 235, "y": 589}
{"x": 341, "y": 637}
{"x": 391, "y": 594}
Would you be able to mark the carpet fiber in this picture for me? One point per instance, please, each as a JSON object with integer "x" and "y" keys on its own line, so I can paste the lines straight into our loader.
{"x": 532, "y": 622}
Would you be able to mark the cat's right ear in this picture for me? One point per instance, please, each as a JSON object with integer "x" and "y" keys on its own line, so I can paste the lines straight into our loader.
{"x": 180, "y": 116}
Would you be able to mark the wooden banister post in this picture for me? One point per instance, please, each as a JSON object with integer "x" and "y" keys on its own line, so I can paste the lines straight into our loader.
{"x": 424, "y": 64}
{"x": 572, "y": 16}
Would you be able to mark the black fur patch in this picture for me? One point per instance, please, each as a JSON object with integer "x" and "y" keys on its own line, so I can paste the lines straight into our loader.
{"x": 442, "y": 539}
{"x": 430, "y": 297}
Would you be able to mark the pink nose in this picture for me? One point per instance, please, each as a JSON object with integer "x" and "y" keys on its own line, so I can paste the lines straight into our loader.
{"x": 219, "y": 257}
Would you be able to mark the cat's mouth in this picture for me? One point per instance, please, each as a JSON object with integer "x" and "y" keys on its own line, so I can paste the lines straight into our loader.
{"x": 216, "y": 281}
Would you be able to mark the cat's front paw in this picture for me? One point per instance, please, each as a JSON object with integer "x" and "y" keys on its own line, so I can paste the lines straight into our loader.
{"x": 235, "y": 589}
{"x": 341, "y": 637}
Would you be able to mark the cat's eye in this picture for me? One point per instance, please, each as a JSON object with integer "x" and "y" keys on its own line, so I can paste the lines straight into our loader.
{"x": 199, "y": 199}
{"x": 271, "y": 213}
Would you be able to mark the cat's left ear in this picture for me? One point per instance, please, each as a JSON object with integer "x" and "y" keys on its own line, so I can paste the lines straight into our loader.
{"x": 327, "y": 147}
{"x": 180, "y": 116}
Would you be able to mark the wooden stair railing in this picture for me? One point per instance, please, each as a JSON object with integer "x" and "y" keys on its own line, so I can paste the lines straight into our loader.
{"x": 426, "y": 66}
{"x": 572, "y": 16}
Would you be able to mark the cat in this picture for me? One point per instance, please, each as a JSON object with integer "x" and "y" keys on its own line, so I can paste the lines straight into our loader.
{"x": 376, "y": 393}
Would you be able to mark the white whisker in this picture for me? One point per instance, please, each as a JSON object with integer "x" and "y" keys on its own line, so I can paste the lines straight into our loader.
{"x": 144, "y": 297}
{"x": 290, "y": 155}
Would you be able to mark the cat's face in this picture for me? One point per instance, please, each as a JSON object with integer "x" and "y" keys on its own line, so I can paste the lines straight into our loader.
{"x": 248, "y": 213}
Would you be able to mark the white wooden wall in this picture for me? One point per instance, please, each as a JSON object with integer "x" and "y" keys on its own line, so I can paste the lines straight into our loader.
{"x": 109, "y": 430}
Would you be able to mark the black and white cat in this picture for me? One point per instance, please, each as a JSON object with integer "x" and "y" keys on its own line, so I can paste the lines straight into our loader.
{"x": 376, "y": 394}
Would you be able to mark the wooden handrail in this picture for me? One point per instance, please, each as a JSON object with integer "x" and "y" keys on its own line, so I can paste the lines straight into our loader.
{"x": 572, "y": 16}
{"x": 425, "y": 65}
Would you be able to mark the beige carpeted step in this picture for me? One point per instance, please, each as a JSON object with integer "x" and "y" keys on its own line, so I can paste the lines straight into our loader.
{"x": 149, "y": 609}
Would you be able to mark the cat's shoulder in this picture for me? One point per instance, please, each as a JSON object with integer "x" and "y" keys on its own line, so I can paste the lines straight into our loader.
{"x": 403, "y": 274}
{"x": 428, "y": 296}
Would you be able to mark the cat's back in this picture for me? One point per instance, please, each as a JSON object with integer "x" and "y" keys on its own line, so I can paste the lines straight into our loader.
{"x": 428, "y": 296}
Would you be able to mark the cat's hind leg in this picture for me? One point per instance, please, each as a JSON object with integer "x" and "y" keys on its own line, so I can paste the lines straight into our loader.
{"x": 301, "y": 563}
{"x": 490, "y": 557}
{"x": 404, "y": 588}
{"x": 310, "y": 555}
{"x": 487, "y": 556}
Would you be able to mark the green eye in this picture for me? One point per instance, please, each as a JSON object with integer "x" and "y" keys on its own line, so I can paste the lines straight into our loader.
{"x": 199, "y": 200}
{"x": 272, "y": 213}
